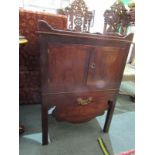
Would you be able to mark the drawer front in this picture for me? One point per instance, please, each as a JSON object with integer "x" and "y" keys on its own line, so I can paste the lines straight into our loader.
{"x": 79, "y": 107}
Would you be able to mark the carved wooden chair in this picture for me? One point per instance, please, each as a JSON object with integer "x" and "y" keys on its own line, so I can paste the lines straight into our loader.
{"x": 79, "y": 18}
{"x": 116, "y": 19}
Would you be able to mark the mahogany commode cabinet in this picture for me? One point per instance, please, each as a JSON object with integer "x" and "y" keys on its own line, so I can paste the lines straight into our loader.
{"x": 81, "y": 74}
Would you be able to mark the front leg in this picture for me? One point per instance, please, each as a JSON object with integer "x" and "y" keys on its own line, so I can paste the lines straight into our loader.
{"x": 109, "y": 116}
{"x": 44, "y": 124}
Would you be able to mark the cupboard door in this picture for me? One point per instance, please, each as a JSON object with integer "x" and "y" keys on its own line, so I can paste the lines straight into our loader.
{"x": 106, "y": 67}
{"x": 67, "y": 67}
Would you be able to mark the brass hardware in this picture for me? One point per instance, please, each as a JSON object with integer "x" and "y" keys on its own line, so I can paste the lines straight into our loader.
{"x": 84, "y": 101}
{"x": 92, "y": 66}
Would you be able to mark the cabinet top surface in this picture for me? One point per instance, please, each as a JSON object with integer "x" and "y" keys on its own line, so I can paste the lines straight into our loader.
{"x": 47, "y": 29}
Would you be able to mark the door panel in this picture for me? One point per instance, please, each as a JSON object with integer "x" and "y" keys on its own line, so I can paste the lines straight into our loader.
{"x": 68, "y": 65}
{"x": 105, "y": 68}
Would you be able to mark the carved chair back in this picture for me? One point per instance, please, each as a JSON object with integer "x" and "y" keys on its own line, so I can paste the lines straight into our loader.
{"x": 116, "y": 19}
{"x": 79, "y": 18}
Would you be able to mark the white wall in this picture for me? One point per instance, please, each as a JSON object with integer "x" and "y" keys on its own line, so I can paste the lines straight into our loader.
{"x": 99, "y": 6}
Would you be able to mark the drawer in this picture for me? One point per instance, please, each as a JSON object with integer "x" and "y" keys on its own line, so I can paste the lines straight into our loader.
{"x": 79, "y": 107}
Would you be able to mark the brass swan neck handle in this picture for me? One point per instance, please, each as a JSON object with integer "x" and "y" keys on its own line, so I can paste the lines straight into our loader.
{"x": 84, "y": 101}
